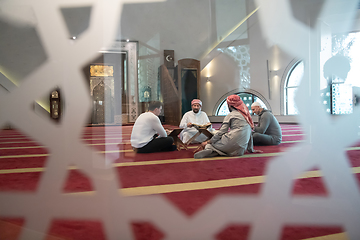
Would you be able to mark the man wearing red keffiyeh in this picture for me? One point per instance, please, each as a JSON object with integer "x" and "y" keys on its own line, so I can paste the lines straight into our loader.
{"x": 236, "y": 102}
{"x": 236, "y": 141}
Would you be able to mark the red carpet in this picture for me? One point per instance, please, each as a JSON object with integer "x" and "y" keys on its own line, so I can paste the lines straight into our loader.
{"x": 14, "y": 156}
{"x": 302, "y": 232}
{"x": 10, "y": 228}
{"x": 71, "y": 229}
{"x": 234, "y": 232}
{"x": 146, "y": 231}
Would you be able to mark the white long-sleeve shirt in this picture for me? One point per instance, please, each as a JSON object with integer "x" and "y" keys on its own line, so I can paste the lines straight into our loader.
{"x": 199, "y": 118}
{"x": 145, "y": 127}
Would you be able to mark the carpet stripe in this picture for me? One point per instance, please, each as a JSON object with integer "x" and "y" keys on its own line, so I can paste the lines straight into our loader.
{"x": 144, "y": 163}
{"x": 337, "y": 236}
{"x": 180, "y": 187}
{"x": 9, "y": 148}
{"x": 17, "y": 142}
{"x": 25, "y": 156}
{"x": 308, "y": 174}
{"x": 23, "y": 138}
{"x": 185, "y": 160}
{"x": 28, "y": 170}
{"x": 13, "y": 138}
{"x": 165, "y": 161}
{"x": 99, "y": 144}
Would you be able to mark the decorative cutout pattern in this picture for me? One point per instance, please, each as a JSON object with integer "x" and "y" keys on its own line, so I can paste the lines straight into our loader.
{"x": 241, "y": 55}
{"x": 266, "y": 213}
{"x": 77, "y": 20}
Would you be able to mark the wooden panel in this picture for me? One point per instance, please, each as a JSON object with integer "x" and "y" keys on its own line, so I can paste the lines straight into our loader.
{"x": 189, "y": 80}
{"x": 169, "y": 56}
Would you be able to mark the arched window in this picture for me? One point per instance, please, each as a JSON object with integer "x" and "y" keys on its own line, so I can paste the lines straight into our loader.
{"x": 247, "y": 98}
{"x": 294, "y": 77}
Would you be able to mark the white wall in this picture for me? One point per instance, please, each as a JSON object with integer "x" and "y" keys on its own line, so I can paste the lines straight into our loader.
{"x": 197, "y": 35}
{"x": 225, "y": 76}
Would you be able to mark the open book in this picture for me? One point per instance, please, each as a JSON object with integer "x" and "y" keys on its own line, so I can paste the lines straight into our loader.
{"x": 204, "y": 126}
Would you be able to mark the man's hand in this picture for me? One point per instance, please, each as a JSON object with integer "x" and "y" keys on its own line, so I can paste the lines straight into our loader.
{"x": 203, "y": 144}
{"x": 189, "y": 125}
{"x": 167, "y": 131}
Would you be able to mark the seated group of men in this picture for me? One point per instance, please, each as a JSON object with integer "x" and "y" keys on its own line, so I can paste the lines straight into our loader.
{"x": 148, "y": 135}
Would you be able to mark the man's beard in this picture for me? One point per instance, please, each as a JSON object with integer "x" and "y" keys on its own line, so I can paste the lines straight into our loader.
{"x": 196, "y": 110}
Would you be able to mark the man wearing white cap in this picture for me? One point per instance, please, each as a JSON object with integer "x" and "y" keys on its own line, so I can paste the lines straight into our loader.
{"x": 268, "y": 131}
{"x": 195, "y": 116}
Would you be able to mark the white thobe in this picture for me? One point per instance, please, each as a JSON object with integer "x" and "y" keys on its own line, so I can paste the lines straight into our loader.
{"x": 199, "y": 118}
{"x": 144, "y": 129}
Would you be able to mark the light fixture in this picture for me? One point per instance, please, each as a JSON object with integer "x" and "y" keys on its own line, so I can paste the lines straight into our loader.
{"x": 127, "y": 40}
{"x": 274, "y": 72}
{"x": 272, "y": 76}
{"x": 73, "y": 37}
{"x": 207, "y": 79}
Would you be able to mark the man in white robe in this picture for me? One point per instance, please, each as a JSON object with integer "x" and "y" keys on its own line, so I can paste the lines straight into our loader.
{"x": 195, "y": 116}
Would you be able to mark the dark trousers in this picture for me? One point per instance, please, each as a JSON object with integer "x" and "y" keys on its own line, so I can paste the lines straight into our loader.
{"x": 264, "y": 140}
{"x": 161, "y": 144}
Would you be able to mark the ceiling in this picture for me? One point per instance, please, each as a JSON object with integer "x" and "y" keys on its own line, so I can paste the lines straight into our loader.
{"x": 189, "y": 27}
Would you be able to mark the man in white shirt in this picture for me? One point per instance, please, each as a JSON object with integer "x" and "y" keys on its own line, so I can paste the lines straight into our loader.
{"x": 148, "y": 135}
{"x": 195, "y": 116}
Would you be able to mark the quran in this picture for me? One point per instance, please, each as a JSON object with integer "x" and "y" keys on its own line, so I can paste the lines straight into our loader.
{"x": 174, "y": 134}
{"x": 204, "y": 126}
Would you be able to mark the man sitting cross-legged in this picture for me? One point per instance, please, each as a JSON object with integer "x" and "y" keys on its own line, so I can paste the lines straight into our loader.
{"x": 148, "y": 135}
{"x": 268, "y": 131}
{"x": 194, "y": 118}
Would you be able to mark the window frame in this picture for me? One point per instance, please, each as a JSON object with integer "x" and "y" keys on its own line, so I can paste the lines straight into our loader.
{"x": 284, "y": 89}
{"x": 237, "y": 92}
